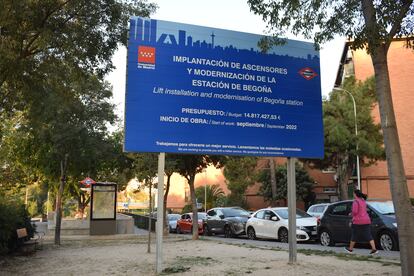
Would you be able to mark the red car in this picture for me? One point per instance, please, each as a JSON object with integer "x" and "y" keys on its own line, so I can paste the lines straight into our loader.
{"x": 185, "y": 223}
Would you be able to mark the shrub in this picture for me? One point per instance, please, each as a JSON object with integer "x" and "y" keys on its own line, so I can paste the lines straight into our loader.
{"x": 188, "y": 208}
{"x": 13, "y": 215}
{"x": 412, "y": 201}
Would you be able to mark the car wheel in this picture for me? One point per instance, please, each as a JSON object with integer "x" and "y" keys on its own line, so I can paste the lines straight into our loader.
{"x": 251, "y": 234}
{"x": 283, "y": 235}
{"x": 325, "y": 238}
{"x": 387, "y": 241}
{"x": 178, "y": 230}
{"x": 170, "y": 229}
{"x": 206, "y": 230}
{"x": 227, "y": 232}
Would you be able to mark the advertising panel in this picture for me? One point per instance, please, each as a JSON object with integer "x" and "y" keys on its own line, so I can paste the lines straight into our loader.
{"x": 201, "y": 90}
{"x": 103, "y": 202}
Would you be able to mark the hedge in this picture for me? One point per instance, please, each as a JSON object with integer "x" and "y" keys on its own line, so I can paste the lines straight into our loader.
{"x": 13, "y": 215}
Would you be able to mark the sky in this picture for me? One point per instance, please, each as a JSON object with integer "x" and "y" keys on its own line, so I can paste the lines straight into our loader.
{"x": 224, "y": 14}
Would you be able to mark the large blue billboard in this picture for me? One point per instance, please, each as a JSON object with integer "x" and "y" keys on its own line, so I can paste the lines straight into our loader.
{"x": 200, "y": 90}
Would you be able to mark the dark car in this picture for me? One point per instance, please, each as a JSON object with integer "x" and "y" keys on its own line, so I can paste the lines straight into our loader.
{"x": 230, "y": 221}
{"x": 335, "y": 227}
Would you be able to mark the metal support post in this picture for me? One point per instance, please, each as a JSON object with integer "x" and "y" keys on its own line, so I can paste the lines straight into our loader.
{"x": 160, "y": 210}
{"x": 291, "y": 178}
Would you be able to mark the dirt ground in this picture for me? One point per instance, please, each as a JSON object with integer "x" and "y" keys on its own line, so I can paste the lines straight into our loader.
{"x": 129, "y": 256}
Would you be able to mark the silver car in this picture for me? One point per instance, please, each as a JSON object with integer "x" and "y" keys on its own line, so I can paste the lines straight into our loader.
{"x": 172, "y": 222}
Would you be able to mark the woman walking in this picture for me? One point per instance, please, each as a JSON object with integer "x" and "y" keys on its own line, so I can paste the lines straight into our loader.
{"x": 361, "y": 223}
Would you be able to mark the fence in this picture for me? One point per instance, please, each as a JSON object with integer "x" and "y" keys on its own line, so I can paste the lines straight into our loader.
{"x": 141, "y": 221}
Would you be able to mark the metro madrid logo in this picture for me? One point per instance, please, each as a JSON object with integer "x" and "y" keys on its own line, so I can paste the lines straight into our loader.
{"x": 146, "y": 57}
{"x": 307, "y": 73}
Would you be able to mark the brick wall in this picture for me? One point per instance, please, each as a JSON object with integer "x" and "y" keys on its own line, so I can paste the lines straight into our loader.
{"x": 400, "y": 64}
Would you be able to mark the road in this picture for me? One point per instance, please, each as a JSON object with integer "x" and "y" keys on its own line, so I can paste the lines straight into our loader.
{"x": 312, "y": 245}
{"x": 339, "y": 248}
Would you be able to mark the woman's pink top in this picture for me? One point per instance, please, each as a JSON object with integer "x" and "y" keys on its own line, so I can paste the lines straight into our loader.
{"x": 359, "y": 212}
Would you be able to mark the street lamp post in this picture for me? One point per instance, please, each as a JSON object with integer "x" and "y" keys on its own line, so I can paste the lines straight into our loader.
{"x": 205, "y": 191}
{"x": 356, "y": 133}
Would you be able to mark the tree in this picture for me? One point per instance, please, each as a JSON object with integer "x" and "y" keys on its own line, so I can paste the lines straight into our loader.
{"x": 341, "y": 144}
{"x": 63, "y": 134}
{"x": 170, "y": 166}
{"x": 212, "y": 192}
{"x": 188, "y": 166}
{"x": 146, "y": 169}
{"x": 117, "y": 166}
{"x": 83, "y": 34}
{"x": 240, "y": 173}
{"x": 304, "y": 184}
{"x": 372, "y": 25}
{"x": 53, "y": 56}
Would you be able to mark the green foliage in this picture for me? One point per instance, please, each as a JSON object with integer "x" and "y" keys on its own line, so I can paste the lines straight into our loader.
{"x": 221, "y": 201}
{"x": 70, "y": 119}
{"x": 304, "y": 183}
{"x": 240, "y": 173}
{"x": 322, "y": 20}
{"x": 36, "y": 196}
{"x": 177, "y": 268}
{"x": 32, "y": 208}
{"x": 188, "y": 208}
{"x": 145, "y": 167}
{"x": 341, "y": 144}
{"x": 213, "y": 192}
{"x": 236, "y": 200}
{"x": 412, "y": 201}
{"x": 81, "y": 34}
{"x": 117, "y": 166}
{"x": 13, "y": 216}
{"x": 339, "y": 123}
{"x": 54, "y": 100}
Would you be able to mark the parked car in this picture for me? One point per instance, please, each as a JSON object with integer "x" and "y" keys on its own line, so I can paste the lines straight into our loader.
{"x": 230, "y": 221}
{"x": 185, "y": 223}
{"x": 172, "y": 222}
{"x": 334, "y": 226}
{"x": 272, "y": 223}
{"x": 317, "y": 210}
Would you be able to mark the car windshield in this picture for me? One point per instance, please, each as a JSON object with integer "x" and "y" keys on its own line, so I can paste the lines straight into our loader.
{"x": 284, "y": 214}
{"x": 235, "y": 212}
{"x": 173, "y": 216}
{"x": 384, "y": 208}
{"x": 200, "y": 215}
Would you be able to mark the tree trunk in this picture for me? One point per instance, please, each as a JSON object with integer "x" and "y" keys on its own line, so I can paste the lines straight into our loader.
{"x": 396, "y": 171}
{"x": 58, "y": 222}
{"x": 194, "y": 203}
{"x": 149, "y": 219}
{"x": 167, "y": 190}
{"x": 273, "y": 178}
{"x": 344, "y": 173}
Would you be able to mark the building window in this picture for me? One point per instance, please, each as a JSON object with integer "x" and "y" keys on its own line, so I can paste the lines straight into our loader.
{"x": 329, "y": 190}
{"x": 329, "y": 170}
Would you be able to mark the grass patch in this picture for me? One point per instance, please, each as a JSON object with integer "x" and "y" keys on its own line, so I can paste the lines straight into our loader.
{"x": 347, "y": 257}
{"x": 175, "y": 269}
{"x": 196, "y": 260}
